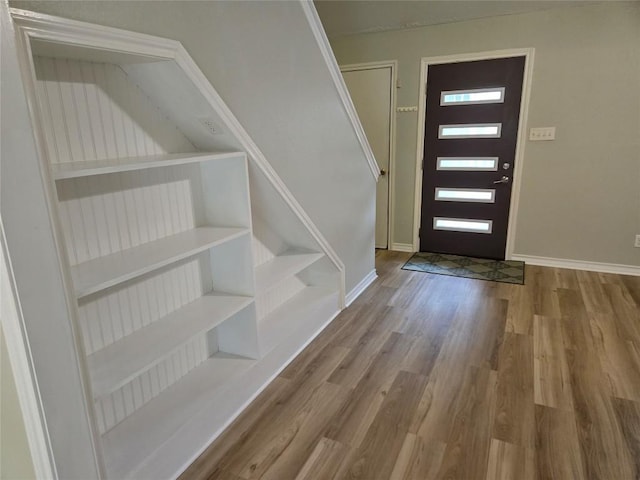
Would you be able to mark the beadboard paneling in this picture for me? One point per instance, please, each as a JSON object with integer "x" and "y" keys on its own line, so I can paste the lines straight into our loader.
{"x": 92, "y": 111}
{"x": 261, "y": 254}
{"x": 114, "y": 408}
{"x": 104, "y": 214}
{"x": 277, "y": 295}
{"x": 109, "y": 316}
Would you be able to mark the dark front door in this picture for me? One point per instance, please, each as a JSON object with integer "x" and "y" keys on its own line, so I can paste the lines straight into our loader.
{"x": 471, "y": 127}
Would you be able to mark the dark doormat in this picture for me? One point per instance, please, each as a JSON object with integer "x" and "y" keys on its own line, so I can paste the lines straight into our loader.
{"x": 506, "y": 271}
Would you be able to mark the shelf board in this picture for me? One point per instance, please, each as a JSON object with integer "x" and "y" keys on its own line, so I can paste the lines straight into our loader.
{"x": 104, "y": 272}
{"x": 311, "y": 302}
{"x": 114, "y": 366}
{"x": 133, "y": 440}
{"x": 277, "y": 269}
{"x": 162, "y": 438}
{"x": 113, "y": 165}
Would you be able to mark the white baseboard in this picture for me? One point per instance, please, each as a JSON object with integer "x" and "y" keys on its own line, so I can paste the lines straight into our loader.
{"x": 579, "y": 264}
{"x": 402, "y": 247}
{"x": 361, "y": 287}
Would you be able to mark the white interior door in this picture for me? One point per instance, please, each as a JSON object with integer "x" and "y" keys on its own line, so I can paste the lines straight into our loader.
{"x": 370, "y": 90}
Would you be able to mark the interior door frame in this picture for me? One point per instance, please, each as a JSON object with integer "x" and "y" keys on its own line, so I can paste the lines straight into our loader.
{"x": 425, "y": 62}
{"x": 393, "y": 64}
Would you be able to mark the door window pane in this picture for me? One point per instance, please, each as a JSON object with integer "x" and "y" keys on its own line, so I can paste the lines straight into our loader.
{"x": 462, "y": 225}
{"x": 466, "y": 195}
{"x": 472, "y": 97}
{"x": 476, "y": 130}
{"x": 468, "y": 164}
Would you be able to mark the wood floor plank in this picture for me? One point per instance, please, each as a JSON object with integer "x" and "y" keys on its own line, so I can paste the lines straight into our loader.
{"x": 514, "y": 420}
{"x": 558, "y": 452}
{"x": 619, "y": 358}
{"x": 351, "y": 423}
{"x": 628, "y": 414}
{"x": 298, "y": 443}
{"x": 552, "y": 386}
{"x": 467, "y": 452}
{"x": 388, "y": 430}
{"x": 323, "y": 462}
{"x": 510, "y": 462}
{"x": 604, "y": 448}
{"x": 430, "y": 377}
{"x": 418, "y": 459}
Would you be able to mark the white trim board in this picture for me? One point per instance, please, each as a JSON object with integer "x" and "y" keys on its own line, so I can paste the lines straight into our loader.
{"x": 615, "y": 268}
{"x": 529, "y": 54}
{"x": 402, "y": 247}
{"x": 327, "y": 53}
{"x": 361, "y": 287}
{"x": 393, "y": 65}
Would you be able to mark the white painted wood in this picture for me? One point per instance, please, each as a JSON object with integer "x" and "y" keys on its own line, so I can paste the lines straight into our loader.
{"x": 63, "y": 418}
{"x": 529, "y": 54}
{"x": 139, "y": 252}
{"x": 223, "y": 406}
{"x": 578, "y": 264}
{"x": 402, "y": 247}
{"x": 107, "y": 317}
{"x": 113, "y": 165}
{"x": 361, "y": 287}
{"x": 283, "y": 266}
{"x": 114, "y": 408}
{"x": 104, "y": 272}
{"x": 149, "y": 427}
{"x": 261, "y": 254}
{"x": 277, "y": 294}
{"x": 94, "y": 105}
{"x": 118, "y": 363}
{"x": 293, "y": 314}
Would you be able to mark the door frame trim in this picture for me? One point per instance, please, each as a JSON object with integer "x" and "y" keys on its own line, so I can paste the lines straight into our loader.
{"x": 393, "y": 64}
{"x": 425, "y": 62}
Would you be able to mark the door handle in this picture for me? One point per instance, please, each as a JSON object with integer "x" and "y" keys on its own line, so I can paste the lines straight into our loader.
{"x": 383, "y": 172}
{"x": 504, "y": 179}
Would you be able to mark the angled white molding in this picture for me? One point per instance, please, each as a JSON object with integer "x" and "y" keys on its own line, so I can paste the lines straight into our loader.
{"x": 12, "y": 321}
{"x": 327, "y": 53}
{"x": 600, "y": 267}
{"x": 56, "y": 29}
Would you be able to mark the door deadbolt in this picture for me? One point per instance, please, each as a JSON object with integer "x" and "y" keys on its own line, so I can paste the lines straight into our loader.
{"x": 505, "y": 166}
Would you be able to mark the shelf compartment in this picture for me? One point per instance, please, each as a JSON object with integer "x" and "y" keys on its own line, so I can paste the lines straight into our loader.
{"x": 113, "y": 165}
{"x": 292, "y": 315}
{"x": 277, "y": 269}
{"x": 161, "y": 439}
{"x": 115, "y": 365}
{"x": 104, "y": 272}
{"x": 129, "y": 443}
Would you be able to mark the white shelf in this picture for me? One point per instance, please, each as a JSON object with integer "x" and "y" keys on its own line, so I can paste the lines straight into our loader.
{"x": 290, "y": 263}
{"x": 117, "y": 364}
{"x": 104, "y": 272}
{"x": 132, "y": 441}
{"x": 112, "y": 165}
{"x": 295, "y": 313}
{"x": 162, "y": 438}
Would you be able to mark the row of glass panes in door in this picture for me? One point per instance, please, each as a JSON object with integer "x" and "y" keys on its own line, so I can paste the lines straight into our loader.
{"x": 469, "y": 164}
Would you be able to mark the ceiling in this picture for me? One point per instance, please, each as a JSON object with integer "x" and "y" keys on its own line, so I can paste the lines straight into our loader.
{"x": 349, "y": 17}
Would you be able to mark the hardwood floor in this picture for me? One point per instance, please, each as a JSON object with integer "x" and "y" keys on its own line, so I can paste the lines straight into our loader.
{"x": 434, "y": 377}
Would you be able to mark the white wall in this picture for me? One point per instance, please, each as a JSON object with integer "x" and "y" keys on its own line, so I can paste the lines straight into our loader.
{"x": 263, "y": 60}
{"x": 580, "y": 193}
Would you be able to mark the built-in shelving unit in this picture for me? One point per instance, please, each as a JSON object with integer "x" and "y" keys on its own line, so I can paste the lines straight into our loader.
{"x": 194, "y": 280}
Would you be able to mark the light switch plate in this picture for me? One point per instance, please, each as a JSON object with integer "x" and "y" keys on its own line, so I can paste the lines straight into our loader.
{"x": 540, "y": 134}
